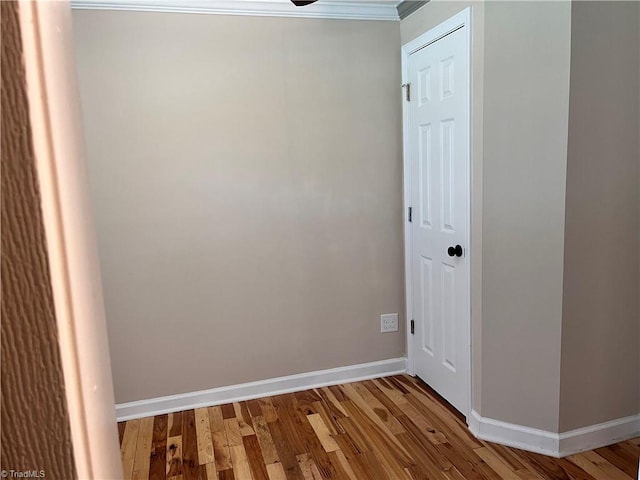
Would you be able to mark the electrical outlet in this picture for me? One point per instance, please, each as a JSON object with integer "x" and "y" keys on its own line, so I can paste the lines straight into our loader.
{"x": 389, "y": 322}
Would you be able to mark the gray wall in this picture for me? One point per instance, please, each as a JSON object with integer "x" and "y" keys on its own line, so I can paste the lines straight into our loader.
{"x": 601, "y": 323}
{"x": 247, "y": 180}
{"x": 526, "y": 99}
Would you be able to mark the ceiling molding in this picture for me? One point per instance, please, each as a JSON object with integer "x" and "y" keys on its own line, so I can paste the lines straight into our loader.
{"x": 336, "y": 9}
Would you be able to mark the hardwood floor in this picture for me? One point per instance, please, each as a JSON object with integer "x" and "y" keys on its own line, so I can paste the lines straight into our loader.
{"x": 391, "y": 428}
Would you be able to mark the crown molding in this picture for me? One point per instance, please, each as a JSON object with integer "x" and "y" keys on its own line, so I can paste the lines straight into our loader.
{"x": 335, "y": 9}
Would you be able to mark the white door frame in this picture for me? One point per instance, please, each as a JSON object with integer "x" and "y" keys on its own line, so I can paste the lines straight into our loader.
{"x": 56, "y": 123}
{"x": 454, "y": 23}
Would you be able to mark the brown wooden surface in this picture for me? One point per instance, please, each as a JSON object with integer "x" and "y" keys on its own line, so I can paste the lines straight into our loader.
{"x": 384, "y": 429}
{"x": 35, "y": 423}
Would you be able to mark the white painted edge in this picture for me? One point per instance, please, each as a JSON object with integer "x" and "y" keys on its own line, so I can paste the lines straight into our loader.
{"x": 56, "y": 123}
{"x": 554, "y": 444}
{"x": 368, "y": 10}
{"x": 599, "y": 435}
{"x": 262, "y": 388}
{"x": 460, "y": 19}
{"x": 512, "y": 435}
{"x": 406, "y": 192}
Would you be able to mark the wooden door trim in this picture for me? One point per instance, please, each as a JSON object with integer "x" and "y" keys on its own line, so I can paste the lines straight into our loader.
{"x": 54, "y": 110}
{"x": 454, "y": 23}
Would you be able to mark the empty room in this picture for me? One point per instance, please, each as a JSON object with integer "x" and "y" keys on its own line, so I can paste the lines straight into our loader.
{"x": 303, "y": 240}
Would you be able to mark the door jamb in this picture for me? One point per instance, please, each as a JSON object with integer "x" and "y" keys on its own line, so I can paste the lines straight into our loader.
{"x": 55, "y": 119}
{"x": 459, "y": 20}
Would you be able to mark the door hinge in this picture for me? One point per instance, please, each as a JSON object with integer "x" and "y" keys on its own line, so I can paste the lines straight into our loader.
{"x": 407, "y": 91}
{"x": 410, "y": 214}
{"x": 413, "y": 327}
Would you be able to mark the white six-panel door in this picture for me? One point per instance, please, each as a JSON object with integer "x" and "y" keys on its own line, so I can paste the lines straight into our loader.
{"x": 438, "y": 156}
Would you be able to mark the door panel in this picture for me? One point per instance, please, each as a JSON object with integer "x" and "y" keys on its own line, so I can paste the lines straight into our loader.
{"x": 425, "y": 175}
{"x": 447, "y": 200}
{"x": 427, "y": 305}
{"x": 449, "y": 316}
{"x": 439, "y": 156}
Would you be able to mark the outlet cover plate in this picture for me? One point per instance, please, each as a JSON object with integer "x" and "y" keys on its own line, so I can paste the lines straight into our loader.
{"x": 389, "y": 322}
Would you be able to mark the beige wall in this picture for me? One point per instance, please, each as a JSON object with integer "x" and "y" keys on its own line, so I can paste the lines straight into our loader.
{"x": 526, "y": 100}
{"x": 601, "y": 323}
{"x": 427, "y": 17}
{"x": 203, "y": 137}
{"x": 246, "y": 175}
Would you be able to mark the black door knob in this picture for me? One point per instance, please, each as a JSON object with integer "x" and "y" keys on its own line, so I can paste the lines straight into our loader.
{"x": 455, "y": 251}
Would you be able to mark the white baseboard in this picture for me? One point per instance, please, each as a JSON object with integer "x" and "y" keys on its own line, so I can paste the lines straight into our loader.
{"x": 596, "y": 436}
{"x": 550, "y": 443}
{"x": 262, "y": 388}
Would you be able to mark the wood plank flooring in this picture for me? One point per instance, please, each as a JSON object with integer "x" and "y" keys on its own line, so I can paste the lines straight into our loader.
{"x": 383, "y": 429}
